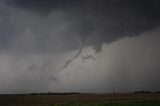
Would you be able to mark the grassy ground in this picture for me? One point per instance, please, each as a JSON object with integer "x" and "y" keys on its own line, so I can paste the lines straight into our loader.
{"x": 116, "y": 103}
{"x": 150, "y": 99}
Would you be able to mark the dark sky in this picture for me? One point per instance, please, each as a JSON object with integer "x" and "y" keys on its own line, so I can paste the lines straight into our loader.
{"x": 79, "y": 45}
{"x": 111, "y": 19}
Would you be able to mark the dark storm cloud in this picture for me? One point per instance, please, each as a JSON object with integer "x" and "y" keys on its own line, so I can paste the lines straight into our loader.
{"x": 79, "y": 45}
{"x": 45, "y": 6}
{"x": 107, "y": 19}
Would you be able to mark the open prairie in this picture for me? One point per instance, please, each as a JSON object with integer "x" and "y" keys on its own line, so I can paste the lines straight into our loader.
{"x": 150, "y": 99}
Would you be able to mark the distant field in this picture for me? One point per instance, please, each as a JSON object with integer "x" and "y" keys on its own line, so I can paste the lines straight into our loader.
{"x": 150, "y": 99}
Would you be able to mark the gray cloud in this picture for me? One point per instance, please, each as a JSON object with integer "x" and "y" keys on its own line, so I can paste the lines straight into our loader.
{"x": 79, "y": 45}
{"x": 129, "y": 64}
{"x": 126, "y": 65}
{"x": 97, "y": 21}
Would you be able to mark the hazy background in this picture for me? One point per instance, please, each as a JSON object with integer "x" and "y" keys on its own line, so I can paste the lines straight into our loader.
{"x": 79, "y": 45}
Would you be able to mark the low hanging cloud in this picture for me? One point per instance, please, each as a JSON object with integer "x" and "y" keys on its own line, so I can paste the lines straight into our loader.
{"x": 128, "y": 64}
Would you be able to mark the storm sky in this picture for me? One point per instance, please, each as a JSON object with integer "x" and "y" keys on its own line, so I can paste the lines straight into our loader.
{"x": 79, "y": 45}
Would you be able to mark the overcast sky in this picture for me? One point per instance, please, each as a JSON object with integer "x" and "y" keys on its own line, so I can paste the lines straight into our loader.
{"x": 79, "y": 45}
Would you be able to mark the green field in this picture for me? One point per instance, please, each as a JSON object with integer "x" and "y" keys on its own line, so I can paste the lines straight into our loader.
{"x": 150, "y": 99}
